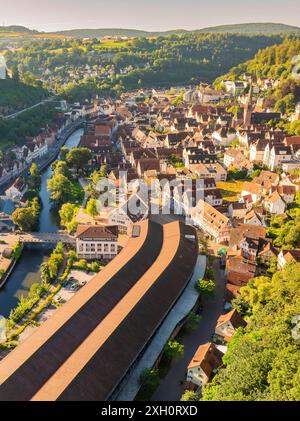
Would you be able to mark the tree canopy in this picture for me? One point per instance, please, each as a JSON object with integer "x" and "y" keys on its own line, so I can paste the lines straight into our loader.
{"x": 263, "y": 360}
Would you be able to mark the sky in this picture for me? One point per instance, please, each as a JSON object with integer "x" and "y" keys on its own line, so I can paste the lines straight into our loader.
{"x": 155, "y": 15}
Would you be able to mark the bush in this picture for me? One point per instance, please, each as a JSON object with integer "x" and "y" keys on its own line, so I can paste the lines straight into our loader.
{"x": 94, "y": 267}
{"x": 192, "y": 322}
{"x": 149, "y": 381}
{"x": 173, "y": 349}
{"x": 189, "y": 396}
{"x": 205, "y": 286}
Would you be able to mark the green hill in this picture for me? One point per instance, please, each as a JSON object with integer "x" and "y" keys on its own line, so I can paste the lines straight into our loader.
{"x": 245, "y": 28}
{"x": 266, "y": 28}
{"x": 17, "y": 28}
{"x": 275, "y": 62}
{"x": 120, "y": 32}
{"x": 15, "y": 96}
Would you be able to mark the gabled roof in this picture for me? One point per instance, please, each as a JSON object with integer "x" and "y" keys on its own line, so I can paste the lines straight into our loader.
{"x": 290, "y": 255}
{"x": 208, "y": 357}
{"x": 96, "y": 231}
{"x": 275, "y": 196}
{"x": 233, "y": 317}
{"x": 246, "y": 230}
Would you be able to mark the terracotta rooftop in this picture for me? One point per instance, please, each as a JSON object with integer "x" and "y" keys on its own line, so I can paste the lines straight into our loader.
{"x": 96, "y": 231}
{"x": 208, "y": 357}
{"x": 233, "y": 317}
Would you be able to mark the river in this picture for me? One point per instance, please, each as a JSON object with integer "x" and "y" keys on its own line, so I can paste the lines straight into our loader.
{"x": 26, "y": 271}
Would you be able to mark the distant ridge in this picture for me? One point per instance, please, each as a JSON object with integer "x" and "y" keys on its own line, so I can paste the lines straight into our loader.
{"x": 121, "y": 32}
{"x": 17, "y": 28}
{"x": 251, "y": 28}
{"x": 266, "y": 28}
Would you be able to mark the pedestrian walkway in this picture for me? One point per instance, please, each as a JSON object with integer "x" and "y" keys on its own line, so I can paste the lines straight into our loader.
{"x": 183, "y": 306}
{"x": 171, "y": 388}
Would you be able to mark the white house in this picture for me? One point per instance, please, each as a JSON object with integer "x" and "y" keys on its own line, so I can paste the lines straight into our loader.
{"x": 211, "y": 221}
{"x": 233, "y": 157}
{"x": 17, "y": 190}
{"x": 228, "y": 323}
{"x": 234, "y": 87}
{"x": 252, "y": 189}
{"x": 274, "y": 204}
{"x": 287, "y": 256}
{"x": 277, "y": 155}
{"x": 96, "y": 242}
{"x": 204, "y": 364}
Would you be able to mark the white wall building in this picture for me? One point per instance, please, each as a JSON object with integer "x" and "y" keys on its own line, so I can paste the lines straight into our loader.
{"x": 97, "y": 242}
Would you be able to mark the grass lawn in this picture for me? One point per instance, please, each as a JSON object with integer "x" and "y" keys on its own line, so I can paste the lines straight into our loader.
{"x": 112, "y": 44}
{"x": 230, "y": 189}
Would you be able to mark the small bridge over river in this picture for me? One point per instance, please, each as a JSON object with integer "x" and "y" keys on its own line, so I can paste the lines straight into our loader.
{"x": 46, "y": 238}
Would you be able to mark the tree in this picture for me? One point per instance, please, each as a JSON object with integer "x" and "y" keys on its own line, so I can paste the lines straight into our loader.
{"x": 91, "y": 208}
{"x": 45, "y": 273}
{"x": 15, "y": 74}
{"x": 35, "y": 177}
{"x": 60, "y": 187}
{"x": 98, "y": 175}
{"x": 78, "y": 158}
{"x": 63, "y": 153}
{"x": 94, "y": 267}
{"x": 67, "y": 213}
{"x": 262, "y": 361}
{"x": 149, "y": 380}
{"x": 192, "y": 322}
{"x": 173, "y": 349}
{"x": 24, "y": 219}
{"x": 189, "y": 396}
{"x": 61, "y": 167}
{"x": 205, "y": 286}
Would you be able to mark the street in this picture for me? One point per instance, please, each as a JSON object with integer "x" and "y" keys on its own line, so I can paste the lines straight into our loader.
{"x": 170, "y": 388}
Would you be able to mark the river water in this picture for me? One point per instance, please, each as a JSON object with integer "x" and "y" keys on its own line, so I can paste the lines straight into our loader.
{"x": 26, "y": 271}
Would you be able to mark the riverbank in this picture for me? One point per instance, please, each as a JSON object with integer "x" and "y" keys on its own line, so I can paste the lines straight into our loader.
{"x": 45, "y": 162}
{"x": 26, "y": 272}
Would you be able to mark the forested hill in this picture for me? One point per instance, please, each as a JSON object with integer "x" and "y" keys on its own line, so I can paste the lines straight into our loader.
{"x": 15, "y": 96}
{"x": 275, "y": 62}
{"x": 263, "y": 362}
{"x": 18, "y": 29}
{"x": 117, "y": 65}
{"x": 245, "y": 28}
{"x": 254, "y": 28}
{"x": 115, "y": 32}
{"x": 266, "y": 28}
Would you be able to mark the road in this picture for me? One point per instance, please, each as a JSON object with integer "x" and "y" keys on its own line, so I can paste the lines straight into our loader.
{"x": 170, "y": 388}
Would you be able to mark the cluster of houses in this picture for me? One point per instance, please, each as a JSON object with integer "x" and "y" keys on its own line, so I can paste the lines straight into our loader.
{"x": 208, "y": 357}
{"x": 148, "y": 137}
{"x": 155, "y": 140}
{"x": 15, "y": 162}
